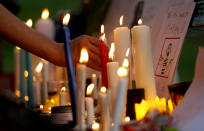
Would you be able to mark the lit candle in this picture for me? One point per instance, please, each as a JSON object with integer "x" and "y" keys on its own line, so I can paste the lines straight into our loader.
{"x": 89, "y": 105}
{"x": 81, "y": 83}
{"x": 112, "y": 68}
{"x": 95, "y": 90}
{"x": 104, "y": 58}
{"x": 121, "y": 98}
{"x": 30, "y": 73}
{"x": 127, "y": 119}
{"x": 70, "y": 67}
{"x": 142, "y": 53}
{"x": 122, "y": 41}
{"x": 45, "y": 25}
{"x": 37, "y": 89}
{"x": 17, "y": 51}
{"x": 63, "y": 96}
{"x": 105, "y": 112}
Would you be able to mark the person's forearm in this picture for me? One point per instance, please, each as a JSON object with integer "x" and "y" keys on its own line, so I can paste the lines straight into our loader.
{"x": 15, "y": 31}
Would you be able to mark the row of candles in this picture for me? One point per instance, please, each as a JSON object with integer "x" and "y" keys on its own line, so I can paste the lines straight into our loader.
{"x": 113, "y": 89}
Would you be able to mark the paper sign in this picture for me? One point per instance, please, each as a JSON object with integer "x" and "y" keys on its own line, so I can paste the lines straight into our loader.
{"x": 167, "y": 48}
{"x": 188, "y": 111}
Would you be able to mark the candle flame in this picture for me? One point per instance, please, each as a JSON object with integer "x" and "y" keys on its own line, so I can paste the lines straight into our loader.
{"x": 26, "y": 98}
{"x": 139, "y": 21}
{"x": 52, "y": 101}
{"x": 63, "y": 89}
{"x": 125, "y": 63}
{"x": 45, "y": 14}
{"x": 41, "y": 107}
{"x": 18, "y": 48}
{"x": 89, "y": 89}
{"x": 103, "y": 37}
{"x": 94, "y": 75}
{"x": 102, "y": 29}
{"x": 103, "y": 89}
{"x": 66, "y": 19}
{"x": 26, "y": 73}
{"x": 84, "y": 56}
{"x": 127, "y": 52}
{"x": 111, "y": 52}
{"x": 39, "y": 67}
{"x": 122, "y": 72}
{"x": 95, "y": 126}
{"x": 121, "y": 20}
{"x": 29, "y": 23}
{"x": 127, "y": 119}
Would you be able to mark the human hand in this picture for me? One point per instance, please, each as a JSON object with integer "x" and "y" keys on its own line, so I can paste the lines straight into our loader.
{"x": 92, "y": 46}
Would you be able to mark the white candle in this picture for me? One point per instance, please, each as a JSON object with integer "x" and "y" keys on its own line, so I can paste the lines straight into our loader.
{"x": 122, "y": 41}
{"x": 81, "y": 83}
{"x": 17, "y": 69}
{"x": 121, "y": 98}
{"x": 142, "y": 53}
{"x": 37, "y": 92}
{"x": 45, "y": 25}
{"x": 89, "y": 105}
{"x": 45, "y": 80}
{"x": 95, "y": 90}
{"x": 112, "y": 68}
{"x": 105, "y": 112}
{"x": 63, "y": 96}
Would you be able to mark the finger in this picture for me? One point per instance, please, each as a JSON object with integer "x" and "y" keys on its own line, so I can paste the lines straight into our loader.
{"x": 95, "y": 58}
{"x": 94, "y": 49}
{"x": 93, "y": 40}
{"x": 93, "y": 66}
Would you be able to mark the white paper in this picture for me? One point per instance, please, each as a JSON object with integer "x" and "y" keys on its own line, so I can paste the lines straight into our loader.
{"x": 167, "y": 48}
{"x": 187, "y": 113}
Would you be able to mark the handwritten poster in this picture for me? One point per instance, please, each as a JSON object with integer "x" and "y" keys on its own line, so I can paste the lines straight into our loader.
{"x": 169, "y": 43}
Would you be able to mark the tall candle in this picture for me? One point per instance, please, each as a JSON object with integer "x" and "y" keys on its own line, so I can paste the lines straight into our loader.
{"x": 45, "y": 80}
{"x": 17, "y": 51}
{"x": 112, "y": 68}
{"x": 104, "y": 58}
{"x": 81, "y": 83}
{"x": 63, "y": 96}
{"x": 45, "y": 25}
{"x": 30, "y": 74}
{"x": 142, "y": 53}
{"x": 89, "y": 105}
{"x": 37, "y": 87}
{"x": 121, "y": 98}
{"x": 70, "y": 67}
{"x": 122, "y": 41}
{"x": 105, "y": 112}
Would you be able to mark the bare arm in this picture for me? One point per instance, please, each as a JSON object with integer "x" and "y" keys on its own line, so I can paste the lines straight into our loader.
{"x": 16, "y": 32}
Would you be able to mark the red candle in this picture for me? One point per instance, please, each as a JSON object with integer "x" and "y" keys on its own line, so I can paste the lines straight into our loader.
{"x": 104, "y": 61}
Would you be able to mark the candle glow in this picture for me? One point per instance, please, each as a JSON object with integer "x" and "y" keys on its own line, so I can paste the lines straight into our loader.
{"x": 41, "y": 107}
{"x": 111, "y": 52}
{"x": 121, "y": 20}
{"x": 63, "y": 89}
{"x": 26, "y": 98}
{"x": 29, "y": 23}
{"x": 94, "y": 75}
{"x": 95, "y": 126}
{"x": 103, "y": 89}
{"x": 39, "y": 67}
{"x": 89, "y": 89}
{"x": 84, "y": 56}
{"x": 18, "y": 48}
{"x": 18, "y": 93}
{"x": 139, "y": 21}
{"x": 122, "y": 72}
{"x": 66, "y": 19}
{"x": 45, "y": 14}
{"x": 127, "y": 119}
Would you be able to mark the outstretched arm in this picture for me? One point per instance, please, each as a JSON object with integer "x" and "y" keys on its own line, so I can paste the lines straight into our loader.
{"x": 16, "y": 32}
